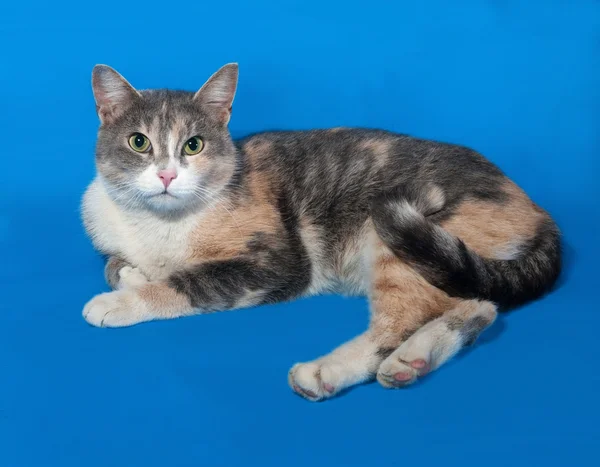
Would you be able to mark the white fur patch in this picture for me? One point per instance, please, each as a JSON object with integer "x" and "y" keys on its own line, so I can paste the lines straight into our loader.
{"x": 130, "y": 277}
{"x": 322, "y": 275}
{"x": 156, "y": 246}
{"x": 172, "y": 145}
{"x": 436, "y": 198}
{"x": 116, "y": 309}
{"x": 405, "y": 212}
{"x": 509, "y": 252}
{"x": 349, "y": 364}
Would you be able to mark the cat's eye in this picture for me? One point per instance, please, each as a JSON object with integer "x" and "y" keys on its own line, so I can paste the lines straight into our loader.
{"x": 139, "y": 143}
{"x": 193, "y": 146}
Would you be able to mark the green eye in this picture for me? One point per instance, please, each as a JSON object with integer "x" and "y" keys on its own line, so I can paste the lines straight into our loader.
{"x": 139, "y": 143}
{"x": 193, "y": 146}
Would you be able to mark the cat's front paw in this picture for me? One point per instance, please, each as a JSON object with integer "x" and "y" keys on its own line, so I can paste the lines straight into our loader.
{"x": 115, "y": 309}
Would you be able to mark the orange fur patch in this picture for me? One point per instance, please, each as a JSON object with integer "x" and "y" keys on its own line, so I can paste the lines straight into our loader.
{"x": 401, "y": 300}
{"x": 224, "y": 231}
{"x": 257, "y": 151}
{"x": 380, "y": 148}
{"x": 489, "y": 228}
{"x": 164, "y": 300}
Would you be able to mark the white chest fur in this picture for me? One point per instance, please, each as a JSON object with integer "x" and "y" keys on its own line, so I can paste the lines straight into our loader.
{"x": 154, "y": 245}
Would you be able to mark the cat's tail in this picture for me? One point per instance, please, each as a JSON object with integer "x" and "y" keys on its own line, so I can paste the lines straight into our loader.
{"x": 401, "y": 220}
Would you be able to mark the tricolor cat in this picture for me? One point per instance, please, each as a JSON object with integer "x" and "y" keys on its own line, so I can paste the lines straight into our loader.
{"x": 436, "y": 236}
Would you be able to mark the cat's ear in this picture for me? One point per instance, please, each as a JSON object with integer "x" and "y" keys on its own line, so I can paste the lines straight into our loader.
{"x": 218, "y": 92}
{"x": 112, "y": 92}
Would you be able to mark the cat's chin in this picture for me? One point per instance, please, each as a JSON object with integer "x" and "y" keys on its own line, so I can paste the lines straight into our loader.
{"x": 168, "y": 202}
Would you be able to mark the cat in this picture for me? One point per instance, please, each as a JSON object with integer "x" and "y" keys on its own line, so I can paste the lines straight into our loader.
{"x": 435, "y": 235}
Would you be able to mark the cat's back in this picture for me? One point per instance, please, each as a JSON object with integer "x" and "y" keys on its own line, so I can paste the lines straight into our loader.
{"x": 319, "y": 165}
{"x": 324, "y": 148}
{"x": 352, "y": 164}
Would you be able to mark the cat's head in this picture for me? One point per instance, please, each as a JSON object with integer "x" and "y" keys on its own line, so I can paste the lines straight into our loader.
{"x": 164, "y": 150}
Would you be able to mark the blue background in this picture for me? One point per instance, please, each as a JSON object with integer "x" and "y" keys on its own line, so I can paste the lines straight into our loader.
{"x": 519, "y": 81}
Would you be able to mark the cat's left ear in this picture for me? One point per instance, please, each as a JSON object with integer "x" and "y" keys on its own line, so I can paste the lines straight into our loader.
{"x": 112, "y": 92}
{"x": 218, "y": 92}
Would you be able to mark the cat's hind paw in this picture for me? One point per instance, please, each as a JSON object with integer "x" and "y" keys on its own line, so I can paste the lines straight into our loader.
{"x": 313, "y": 381}
{"x": 396, "y": 373}
{"x": 411, "y": 360}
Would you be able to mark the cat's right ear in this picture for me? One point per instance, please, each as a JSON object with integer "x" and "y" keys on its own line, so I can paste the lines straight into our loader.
{"x": 112, "y": 92}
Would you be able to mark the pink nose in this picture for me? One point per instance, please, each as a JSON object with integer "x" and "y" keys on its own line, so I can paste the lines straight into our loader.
{"x": 167, "y": 176}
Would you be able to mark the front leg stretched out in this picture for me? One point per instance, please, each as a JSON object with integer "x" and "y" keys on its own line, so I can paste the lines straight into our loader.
{"x": 133, "y": 305}
{"x": 214, "y": 286}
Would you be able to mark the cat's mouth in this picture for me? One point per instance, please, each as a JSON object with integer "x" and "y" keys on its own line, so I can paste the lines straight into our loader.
{"x": 165, "y": 200}
{"x": 164, "y": 194}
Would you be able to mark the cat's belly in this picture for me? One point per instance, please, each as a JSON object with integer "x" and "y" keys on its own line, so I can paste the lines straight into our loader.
{"x": 155, "y": 246}
{"x": 346, "y": 269}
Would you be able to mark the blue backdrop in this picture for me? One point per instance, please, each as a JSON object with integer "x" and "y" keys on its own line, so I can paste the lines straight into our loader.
{"x": 517, "y": 80}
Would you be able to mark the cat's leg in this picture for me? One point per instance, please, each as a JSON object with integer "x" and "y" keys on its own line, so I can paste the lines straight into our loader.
{"x": 119, "y": 274}
{"x": 436, "y": 342}
{"x": 401, "y": 302}
{"x": 131, "y": 305}
{"x": 351, "y": 363}
{"x": 206, "y": 287}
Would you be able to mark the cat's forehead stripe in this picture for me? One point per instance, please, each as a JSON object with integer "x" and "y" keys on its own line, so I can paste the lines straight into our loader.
{"x": 168, "y": 130}
{"x": 172, "y": 142}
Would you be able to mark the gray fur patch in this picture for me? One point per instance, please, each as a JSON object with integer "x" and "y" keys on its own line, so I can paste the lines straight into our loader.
{"x": 473, "y": 328}
{"x": 385, "y": 352}
{"x": 454, "y": 323}
{"x": 111, "y": 271}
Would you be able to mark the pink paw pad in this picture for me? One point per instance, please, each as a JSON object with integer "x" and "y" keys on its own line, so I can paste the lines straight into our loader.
{"x": 420, "y": 365}
{"x": 328, "y": 387}
{"x": 403, "y": 376}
